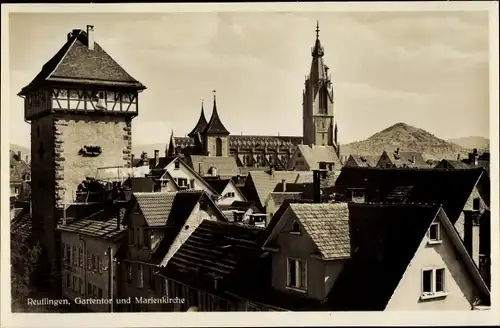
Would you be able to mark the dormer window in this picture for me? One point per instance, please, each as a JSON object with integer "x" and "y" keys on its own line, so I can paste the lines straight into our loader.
{"x": 476, "y": 204}
{"x": 358, "y": 196}
{"x": 295, "y": 228}
{"x": 434, "y": 233}
{"x": 177, "y": 165}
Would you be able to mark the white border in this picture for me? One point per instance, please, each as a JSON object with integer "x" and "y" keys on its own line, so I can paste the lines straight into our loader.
{"x": 239, "y": 318}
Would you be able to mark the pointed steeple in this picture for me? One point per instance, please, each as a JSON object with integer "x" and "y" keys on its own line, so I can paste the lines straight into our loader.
{"x": 201, "y": 125}
{"x": 215, "y": 125}
{"x": 318, "y": 68}
{"x": 171, "y": 145}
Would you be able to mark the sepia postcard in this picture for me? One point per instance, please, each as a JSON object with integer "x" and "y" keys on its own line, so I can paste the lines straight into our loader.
{"x": 337, "y": 162}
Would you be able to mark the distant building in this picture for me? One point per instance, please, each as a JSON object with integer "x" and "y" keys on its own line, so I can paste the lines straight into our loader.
{"x": 20, "y": 176}
{"x": 314, "y": 157}
{"x": 452, "y": 164}
{"x": 401, "y": 159}
{"x": 227, "y": 190}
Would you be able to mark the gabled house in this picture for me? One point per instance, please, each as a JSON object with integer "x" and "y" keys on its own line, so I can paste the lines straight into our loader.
{"x": 314, "y": 157}
{"x": 463, "y": 193}
{"x": 228, "y": 191}
{"x": 20, "y": 174}
{"x": 361, "y": 161}
{"x": 452, "y": 164}
{"x": 400, "y": 159}
{"x": 174, "y": 174}
{"x": 158, "y": 223}
{"x": 260, "y": 184}
{"x": 213, "y": 262}
{"x": 398, "y": 257}
{"x": 245, "y": 212}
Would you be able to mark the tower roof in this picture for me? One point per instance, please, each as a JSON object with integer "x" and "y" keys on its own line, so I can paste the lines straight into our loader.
{"x": 81, "y": 60}
{"x": 318, "y": 67}
{"x": 201, "y": 125}
{"x": 215, "y": 125}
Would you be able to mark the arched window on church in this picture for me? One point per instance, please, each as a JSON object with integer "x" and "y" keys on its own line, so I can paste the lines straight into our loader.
{"x": 323, "y": 101}
{"x": 218, "y": 147}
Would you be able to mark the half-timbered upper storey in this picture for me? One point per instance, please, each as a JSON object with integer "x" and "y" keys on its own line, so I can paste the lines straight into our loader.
{"x": 82, "y": 78}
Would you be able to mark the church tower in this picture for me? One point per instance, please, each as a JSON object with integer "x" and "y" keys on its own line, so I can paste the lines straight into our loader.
{"x": 215, "y": 135}
{"x": 80, "y": 107}
{"x": 319, "y": 127}
{"x": 196, "y": 133}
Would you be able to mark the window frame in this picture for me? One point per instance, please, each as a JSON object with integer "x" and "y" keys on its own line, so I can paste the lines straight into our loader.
{"x": 438, "y": 239}
{"x": 302, "y": 264}
{"x": 294, "y": 231}
{"x": 433, "y": 293}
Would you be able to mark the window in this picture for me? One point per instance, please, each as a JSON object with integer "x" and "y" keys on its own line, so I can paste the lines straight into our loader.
{"x": 476, "y": 204}
{"x": 75, "y": 284}
{"x": 74, "y": 255}
{"x": 297, "y": 275}
{"x": 182, "y": 182}
{"x": 89, "y": 289}
{"x": 434, "y": 232}
{"x": 68, "y": 254}
{"x": 218, "y": 147}
{"x": 138, "y": 236}
{"x": 80, "y": 258}
{"x": 129, "y": 273}
{"x": 132, "y": 237}
{"x": 358, "y": 194}
{"x": 295, "y": 227}
{"x": 433, "y": 283}
{"x": 99, "y": 264}
{"x": 94, "y": 291}
{"x": 68, "y": 281}
{"x": 81, "y": 286}
{"x": 177, "y": 164}
{"x": 94, "y": 264}
{"x": 140, "y": 275}
{"x": 99, "y": 292}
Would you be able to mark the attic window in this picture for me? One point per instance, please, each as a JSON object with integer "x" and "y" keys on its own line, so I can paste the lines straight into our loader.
{"x": 176, "y": 165}
{"x": 295, "y": 228}
{"x": 90, "y": 151}
{"x": 476, "y": 204}
{"x": 434, "y": 233}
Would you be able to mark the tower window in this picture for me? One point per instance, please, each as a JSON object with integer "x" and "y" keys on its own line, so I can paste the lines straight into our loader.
{"x": 323, "y": 101}
{"x": 218, "y": 147}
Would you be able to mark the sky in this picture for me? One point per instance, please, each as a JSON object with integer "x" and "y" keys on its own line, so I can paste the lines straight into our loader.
{"x": 427, "y": 69}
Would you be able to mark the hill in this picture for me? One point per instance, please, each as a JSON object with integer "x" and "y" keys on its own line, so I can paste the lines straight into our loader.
{"x": 482, "y": 144}
{"x": 406, "y": 138}
{"x": 149, "y": 149}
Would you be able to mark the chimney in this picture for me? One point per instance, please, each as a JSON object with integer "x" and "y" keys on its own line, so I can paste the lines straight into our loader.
{"x": 413, "y": 159}
{"x": 283, "y": 182}
{"x": 27, "y": 159}
{"x": 90, "y": 36}
{"x": 132, "y": 157}
{"x": 70, "y": 34}
{"x": 471, "y": 235}
{"x": 474, "y": 151}
{"x": 317, "y": 186}
{"x": 458, "y": 157}
{"x": 397, "y": 150}
{"x": 157, "y": 157}
{"x": 271, "y": 170}
{"x": 19, "y": 155}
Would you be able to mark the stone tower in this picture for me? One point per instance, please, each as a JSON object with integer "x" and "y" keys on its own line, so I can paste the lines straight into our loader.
{"x": 215, "y": 136}
{"x": 80, "y": 107}
{"x": 319, "y": 127}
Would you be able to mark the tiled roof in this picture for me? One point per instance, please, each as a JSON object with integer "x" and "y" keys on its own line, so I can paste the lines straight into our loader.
{"x": 365, "y": 160}
{"x": 241, "y": 205}
{"x": 226, "y": 166}
{"x": 155, "y": 206}
{"x": 218, "y": 184}
{"x": 21, "y": 224}
{"x": 265, "y": 182}
{"x": 252, "y": 141}
{"x": 101, "y": 224}
{"x": 200, "y": 126}
{"x": 452, "y": 164}
{"x": 216, "y": 250}
{"x": 74, "y": 62}
{"x": 183, "y": 205}
{"x": 384, "y": 239}
{"x": 280, "y": 197}
{"x": 314, "y": 154}
{"x": 450, "y": 188}
{"x": 328, "y": 227}
{"x": 408, "y": 158}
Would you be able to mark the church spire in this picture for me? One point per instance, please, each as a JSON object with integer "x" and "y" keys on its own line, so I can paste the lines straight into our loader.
{"x": 317, "y": 50}
{"x": 171, "y": 151}
{"x": 319, "y": 71}
{"x": 215, "y": 125}
{"x": 201, "y": 125}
